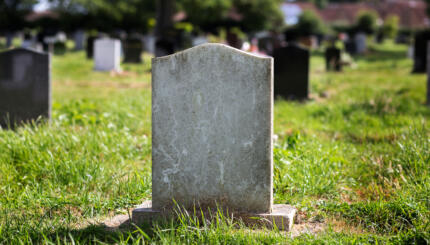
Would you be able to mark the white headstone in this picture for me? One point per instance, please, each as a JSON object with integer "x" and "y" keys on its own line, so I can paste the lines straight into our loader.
{"x": 212, "y": 123}
{"x": 107, "y": 54}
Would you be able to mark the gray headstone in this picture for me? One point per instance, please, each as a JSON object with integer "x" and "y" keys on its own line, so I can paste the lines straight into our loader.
{"x": 360, "y": 43}
{"x": 212, "y": 111}
{"x": 79, "y": 38}
{"x": 25, "y": 88}
{"x": 292, "y": 72}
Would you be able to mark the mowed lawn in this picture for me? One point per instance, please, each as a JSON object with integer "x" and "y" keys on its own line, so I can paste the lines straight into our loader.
{"x": 355, "y": 160}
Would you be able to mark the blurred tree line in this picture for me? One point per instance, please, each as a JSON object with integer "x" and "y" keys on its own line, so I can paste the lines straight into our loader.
{"x": 140, "y": 15}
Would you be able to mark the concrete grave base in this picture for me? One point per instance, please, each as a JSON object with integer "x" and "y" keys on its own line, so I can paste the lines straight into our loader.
{"x": 282, "y": 216}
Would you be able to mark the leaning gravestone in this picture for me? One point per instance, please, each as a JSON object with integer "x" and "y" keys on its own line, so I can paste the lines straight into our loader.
{"x": 133, "y": 48}
{"x": 25, "y": 87}
{"x": 333, "y": 59}
{"x": 292, "y": 72}
{"x": 107, "y": 54}
{"x": 420, "y": 51}
{"x": 212, "y": 112}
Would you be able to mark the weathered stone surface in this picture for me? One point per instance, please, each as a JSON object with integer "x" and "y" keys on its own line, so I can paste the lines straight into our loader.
{"x": 211, "y": 129}
{"x": 282, "y": 216}
{"x": 107, "y": 54}
{"x": 333, "y": 59}
{"x": 25, "y": 86}
{"x": 292, "y": 72}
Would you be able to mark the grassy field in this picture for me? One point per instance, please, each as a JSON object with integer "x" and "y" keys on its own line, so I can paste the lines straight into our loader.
{"x": 355, "y": 160}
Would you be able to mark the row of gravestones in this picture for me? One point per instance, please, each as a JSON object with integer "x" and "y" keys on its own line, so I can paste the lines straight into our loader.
{"x": 19, "y": 76}
{"x": 212, "y": 113}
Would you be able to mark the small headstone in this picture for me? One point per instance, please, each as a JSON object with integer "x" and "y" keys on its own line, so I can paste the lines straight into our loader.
{"x": 79, "y": 39}
{"x": 420, "y": 51}
{"x": 333, "y": 59}
{"x": 360, "y": 43}
{"x": 107, "y": 54}
{"x": 212, "y": 126}
{"x": 410, "y": 52}
{"x": 133, "y": 48}
{"x": 25, "y": 88}
{"x": 292, "y": 72}
{"x": 89, "y": 48}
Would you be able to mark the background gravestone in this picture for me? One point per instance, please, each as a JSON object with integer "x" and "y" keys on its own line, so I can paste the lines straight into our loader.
{"x": 133, "y": 48}
{"x": 79, "y": 39}
{"x": 420, "y": 51}
{"x": 25, "y": 89}
{"x": 212, "y": 123}
{"x": 333, "y": 59}
{"x": 107, "y": 54}
{"x": 89, "y": 48}
{"x": 292, "y": 72}
{"x": 360, "y": 43}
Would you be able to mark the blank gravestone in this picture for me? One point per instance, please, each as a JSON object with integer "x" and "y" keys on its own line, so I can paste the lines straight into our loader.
{"x": 107, "y": 54}
{"x": 333, "y": 59}
{"x": 292, "y": 72}
{"x": 212, "y": 122}
{"x": 25, "y": 88}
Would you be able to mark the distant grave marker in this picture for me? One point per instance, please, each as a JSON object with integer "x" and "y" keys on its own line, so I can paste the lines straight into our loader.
{"x": 133, "y": 48}
{"x": 79, "y": 39}
{"x": 212, "y": 122}
{"x": 25, "y": 86}
{"x": 89, "y": 48}
{"x": 360, "y": 40}
{"x": 333, "y": 59}
{"x": 420, "y": 51}
{"x": 107, "y": 54}
{"x": 292, "y": 72}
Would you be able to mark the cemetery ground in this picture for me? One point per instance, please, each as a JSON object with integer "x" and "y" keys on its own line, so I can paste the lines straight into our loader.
{"x": 354, "y": 160}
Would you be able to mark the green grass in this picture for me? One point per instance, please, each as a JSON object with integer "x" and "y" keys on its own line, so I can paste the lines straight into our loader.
{"x": 357, "y": 160}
